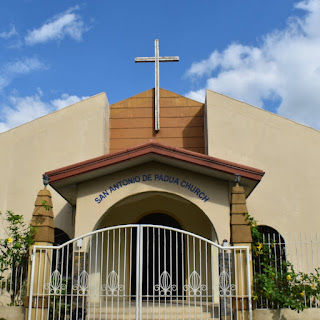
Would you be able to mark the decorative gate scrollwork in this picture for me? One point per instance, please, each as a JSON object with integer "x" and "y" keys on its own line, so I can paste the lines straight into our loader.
{"x": 195, "y": 287}
{"x": 55, "y": 286}
{"x": 112, "y": 287}
{"x": 165, "y": 286}
{"x": 82, "y": 286}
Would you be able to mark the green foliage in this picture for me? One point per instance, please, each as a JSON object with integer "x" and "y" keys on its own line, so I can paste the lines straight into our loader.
{"x": 45, "y": 205}
{"x": 14, "y": 248}
{"x": 277, "y": 280}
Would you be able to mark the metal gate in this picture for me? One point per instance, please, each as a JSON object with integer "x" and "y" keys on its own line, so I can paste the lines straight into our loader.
{"x": 140, "y": 272}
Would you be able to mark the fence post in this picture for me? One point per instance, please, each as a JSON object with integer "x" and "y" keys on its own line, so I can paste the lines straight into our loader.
{"x": 39, "y": 263}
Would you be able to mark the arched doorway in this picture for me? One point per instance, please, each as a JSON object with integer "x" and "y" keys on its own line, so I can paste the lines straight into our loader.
{"x": 64, "y": 257}
{"x": 133, "y": 208}
{"x": 169, "y": 210}
{"x": 161, "y": 257}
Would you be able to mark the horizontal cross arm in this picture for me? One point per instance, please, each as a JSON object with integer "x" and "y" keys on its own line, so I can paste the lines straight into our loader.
{"x": 144, "y": 59}
{"x": 168, "y": 59}
{"x": 152, "y": 59}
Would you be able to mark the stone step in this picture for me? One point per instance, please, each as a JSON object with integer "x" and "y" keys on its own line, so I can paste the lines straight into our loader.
{"x": 157, "y": 308}
{"x": 179, "y": 312}
{"x": 150, "y": 317}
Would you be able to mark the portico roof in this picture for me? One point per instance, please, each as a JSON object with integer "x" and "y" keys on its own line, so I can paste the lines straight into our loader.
{"x": 64, "y": 180}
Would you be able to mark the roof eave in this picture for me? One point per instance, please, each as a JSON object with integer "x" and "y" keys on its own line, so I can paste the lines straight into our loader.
{"x": 152, "y": 151}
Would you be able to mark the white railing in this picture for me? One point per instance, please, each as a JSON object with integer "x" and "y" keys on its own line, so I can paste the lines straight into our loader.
{"x": 302, "y": 250}
{"x": 140, "y": 272}
{"x": 13, "y": 286}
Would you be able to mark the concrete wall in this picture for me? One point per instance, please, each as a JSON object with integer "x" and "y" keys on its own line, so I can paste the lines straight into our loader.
{"x": 287, "y": 197}
{"x": 70, "y": 135}
{"x": 191, "y": 211}
{"x": 12, "y": 313}
{"x": 286, "y": 314}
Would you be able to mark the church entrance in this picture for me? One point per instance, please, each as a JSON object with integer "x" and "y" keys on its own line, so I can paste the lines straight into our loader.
{"x": 162, "y": 253}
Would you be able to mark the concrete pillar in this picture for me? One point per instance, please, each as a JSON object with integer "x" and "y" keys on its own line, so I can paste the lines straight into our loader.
{"x": 42, "y": 221}
{"x": 241, "y": 236}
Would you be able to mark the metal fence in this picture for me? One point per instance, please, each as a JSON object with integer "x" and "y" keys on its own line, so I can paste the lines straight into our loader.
{"x": 302, "y": 250}
{"x": 140, "y": 272}
{"x": 13, "y": 285}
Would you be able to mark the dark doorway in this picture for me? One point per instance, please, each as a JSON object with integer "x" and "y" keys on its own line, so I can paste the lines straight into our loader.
{"x": 61, "y": 258}
{"x": 163, "y": 262}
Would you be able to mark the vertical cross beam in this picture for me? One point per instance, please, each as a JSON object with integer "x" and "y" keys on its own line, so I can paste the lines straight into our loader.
{"x": 156, "y": 87}
{"x": 156, "y": 59}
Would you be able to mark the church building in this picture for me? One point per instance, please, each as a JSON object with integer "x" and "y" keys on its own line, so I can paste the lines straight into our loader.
{"x": 105, "y": 160}
{"x": 177, "y": 163}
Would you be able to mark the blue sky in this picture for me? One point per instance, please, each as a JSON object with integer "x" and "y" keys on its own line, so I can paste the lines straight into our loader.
{"x": 54, "y": 53}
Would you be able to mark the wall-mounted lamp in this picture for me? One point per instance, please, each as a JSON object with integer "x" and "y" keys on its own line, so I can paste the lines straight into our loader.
{"x": 237, "y": 178}
{"x": 45, "y": 179}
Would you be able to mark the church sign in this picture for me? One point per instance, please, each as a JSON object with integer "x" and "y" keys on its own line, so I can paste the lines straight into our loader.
{"x": 183, "y": 183}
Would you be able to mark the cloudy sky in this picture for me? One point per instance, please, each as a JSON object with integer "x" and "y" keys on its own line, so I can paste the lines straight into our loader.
{"x": 55, "y": 53}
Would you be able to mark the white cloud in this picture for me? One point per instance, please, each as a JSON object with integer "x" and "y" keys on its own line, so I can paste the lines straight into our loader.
{"x": 22, "y": 109}
{"x": 13, "y": 69}
{"x": 23, "y": 66}
{"x": 10, "y": 33}
{"x": 66, "y": 100}
{"x": 285, "y": 69}
{"x": 19, "y": 110}
{"x": 65, "y": 24}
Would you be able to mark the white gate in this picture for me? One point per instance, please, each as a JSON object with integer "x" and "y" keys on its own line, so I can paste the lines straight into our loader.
{"x": 140, "y": 272}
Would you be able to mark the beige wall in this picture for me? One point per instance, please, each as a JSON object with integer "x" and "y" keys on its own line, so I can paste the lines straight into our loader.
{"x": 287, "y": 197}
{"x": 286, "y": 314}
{"x": 12, "y": 313}
{"x": 76, "y": 133}
{"x": 128, "y": 204}
{"x": 192, "y": 212}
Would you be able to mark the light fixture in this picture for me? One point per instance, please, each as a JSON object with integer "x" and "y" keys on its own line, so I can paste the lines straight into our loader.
{"x": 45, "y": 179}
{"x": 237, "y": 178}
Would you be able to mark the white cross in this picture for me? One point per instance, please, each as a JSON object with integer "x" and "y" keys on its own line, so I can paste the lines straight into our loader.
{"x": 156, "y": 59}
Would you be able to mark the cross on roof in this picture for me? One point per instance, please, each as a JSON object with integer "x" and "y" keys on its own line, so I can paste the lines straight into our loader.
{"x": 156, "y": 59}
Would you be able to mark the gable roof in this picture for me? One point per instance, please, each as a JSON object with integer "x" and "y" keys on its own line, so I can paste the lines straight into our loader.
{"x": 64, "y": 180}
{"x": 181, "y": 121}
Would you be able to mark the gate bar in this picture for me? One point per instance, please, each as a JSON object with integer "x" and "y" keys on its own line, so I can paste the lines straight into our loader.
{"x": 33, "y": 255}
{"x": 138, "y": 274}
{"x": 140, "y": 269}
{"x": 249, "y": 283}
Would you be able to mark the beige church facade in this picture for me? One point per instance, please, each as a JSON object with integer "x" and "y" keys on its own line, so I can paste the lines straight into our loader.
{"x": 106, "y": 166}
{"x": 232, "y": 131}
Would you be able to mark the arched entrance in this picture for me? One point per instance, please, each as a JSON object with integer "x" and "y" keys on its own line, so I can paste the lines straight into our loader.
{"x": 132, "y": 209}
{"x": 168, "y": 259}
{"x": 162, "y": 252}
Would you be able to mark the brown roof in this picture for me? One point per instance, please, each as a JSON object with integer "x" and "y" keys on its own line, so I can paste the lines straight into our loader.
{"x": 159, "y": 150}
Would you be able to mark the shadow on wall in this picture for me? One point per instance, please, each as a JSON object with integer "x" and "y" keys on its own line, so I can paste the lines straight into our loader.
{"x": 193, "y": 133}
{"x": 64, "y": 219}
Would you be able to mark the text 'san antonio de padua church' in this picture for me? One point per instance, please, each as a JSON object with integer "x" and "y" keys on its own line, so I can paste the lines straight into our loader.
{"x": 153, "y": 194}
